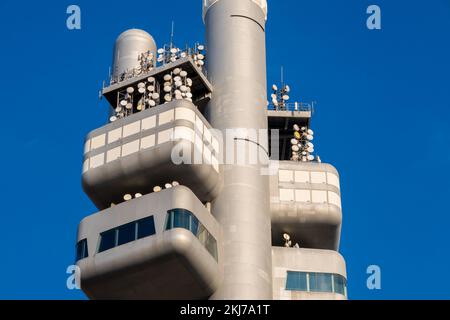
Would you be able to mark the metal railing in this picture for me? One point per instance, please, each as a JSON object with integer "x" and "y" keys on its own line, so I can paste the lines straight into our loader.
{"x": 293, "y": 106}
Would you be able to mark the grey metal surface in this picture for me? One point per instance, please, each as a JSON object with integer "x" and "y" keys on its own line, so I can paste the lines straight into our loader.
{"x": 312, "y": 225}
{"x": 168, "y": 265}
{"x": 305, "y": 260}
{"x": 141, "y": 171}
{"x": 128, "y": 46}
{"x": 236, "y": 65}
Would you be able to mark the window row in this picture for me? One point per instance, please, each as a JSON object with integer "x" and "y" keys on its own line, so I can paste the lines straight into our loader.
{"x": 310, "y": 196}
{"x": 149, "y": 123}
{"x": 294, "y": 176}
{"x": 127, "y": 233}
{"x": 316, "y": 282}
{"x": 182, "y": 218}
{"x": 176, "y": 218}
{"x": 205, "y": 154}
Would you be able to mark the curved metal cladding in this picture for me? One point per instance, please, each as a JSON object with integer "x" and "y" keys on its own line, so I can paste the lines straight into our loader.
{"x": 305, "y": 202}
{"x": 311, "y": 261}
{"x": 235, "y": 39}
{"x": 170, "y": 263}
{"x": 136, "y": 153}
{"x": 128, "y": 46}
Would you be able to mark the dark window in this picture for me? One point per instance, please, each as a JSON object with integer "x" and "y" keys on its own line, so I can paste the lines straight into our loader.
{"x": 181, "y": 218}
{"x": 82, "y": 250}
{"x": 127, "y": 233}
{"x": 146, "y": 227}
{"x": 107, "y": 240}
{"x": 339, "y": 284}
{"x": 320, "y": 282}
{"x": 296, "y": 281}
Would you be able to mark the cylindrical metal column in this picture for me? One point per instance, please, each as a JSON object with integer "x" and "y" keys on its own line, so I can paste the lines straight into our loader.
{"x": 235, "y": 38}
{"x": 129, "y": 45}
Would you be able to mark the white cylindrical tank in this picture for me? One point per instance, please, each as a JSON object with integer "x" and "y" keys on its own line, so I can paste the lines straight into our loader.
{"x": 129, "y": 45}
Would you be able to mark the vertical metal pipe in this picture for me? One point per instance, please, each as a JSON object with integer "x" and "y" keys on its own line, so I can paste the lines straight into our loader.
{"x": 235, "y": 37}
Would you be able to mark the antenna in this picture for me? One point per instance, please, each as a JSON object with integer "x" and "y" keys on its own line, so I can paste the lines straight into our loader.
{"x": 172, "y": 34}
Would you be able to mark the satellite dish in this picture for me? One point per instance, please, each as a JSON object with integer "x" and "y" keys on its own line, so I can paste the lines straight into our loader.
{"x": 286, "y": 237}
{"x": 155, "y": 96}
{"x": 130, "y": 90}
{"x": 175, "y": 183}
{"x": 157, "y": 189}
{"x": 189, "y": 95}
{"x": 167, "y": 88}
{"x": 310, "y": 157}
{"x": 129, "y": 106}
{"x": 310, "y": 150}
{"x": 177, "y": 78}
{"x": 151, "y": 103}
{"x": 274, "y": 88}
{"x": 201, "y": 63}
{"x": 183, "y": 73}
{"x": 200, "y": 56}
{"x": 118, "y": 109}
{"x": 296, "y": 127}
{"x": 138, "y": 195}
{"x": 310, "y": 137}
{"x": 161, "y": 50}
{"x": 287, "y": 88}
{"x": 273, "y": 95}
{"x": 141, "y": 85}
{"x": 151, "y": 88}
{"x": 201, "y": 47}
{"x": 167, "y": 77}
{"x": 127, "y": 197}
{"x": 297, "y": 135}
{"x": 310, "y": 132}
{"x": 304, "y": 153}
{"x": 295, "y": 148}
{"x": 174, "y": 50}
{"x": 304, "y": 128}
{"x": 113, "y": 118}
{"x": 285, "y": 97}
{"x": 173, "y": 59}
{"x": 183, "y": 54}
{"x": 123, "y": 103}
{"x": 294, "y": 141}
{"x": 141, "y": 90}
{"x": 183, "y": 88}
{"x": 168, "y": 98}
{"x": 151, "y": 79}
{"x": 310, "y": 144}
{"x": 178, "y": 83}
{"x": 189, "y": 82}
{"x": 176, "y": 71}
{"x": 168, "y": 185}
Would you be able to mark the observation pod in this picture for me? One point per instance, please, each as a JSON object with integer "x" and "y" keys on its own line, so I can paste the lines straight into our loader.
{"x": 308, "y": 274}
{"x": 164, "y": 245}
{"x": 170, "y": 142}
{"x": 306, "y": 204}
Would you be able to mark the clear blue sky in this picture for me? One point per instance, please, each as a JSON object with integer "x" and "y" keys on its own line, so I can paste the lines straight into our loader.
{"x": 383, "y": 119}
